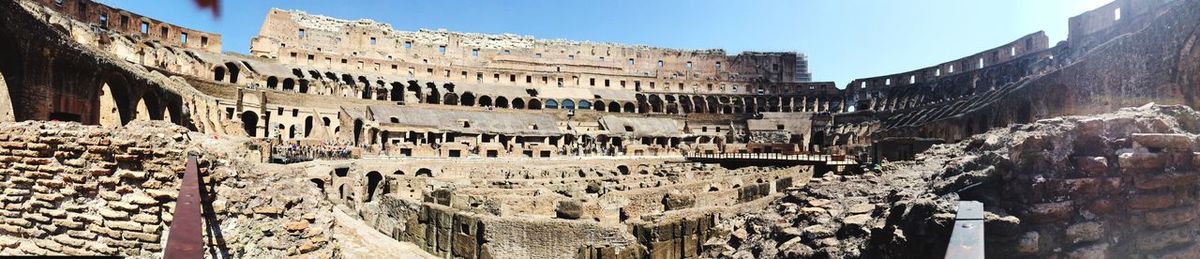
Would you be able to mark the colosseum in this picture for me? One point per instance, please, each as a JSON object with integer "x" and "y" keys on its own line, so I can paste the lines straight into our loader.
{"x": 125, "y": 135}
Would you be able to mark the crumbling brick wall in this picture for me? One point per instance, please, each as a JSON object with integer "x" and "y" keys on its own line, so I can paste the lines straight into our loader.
{"x": 80, "y": 190}
{"x": 71, "y": 189}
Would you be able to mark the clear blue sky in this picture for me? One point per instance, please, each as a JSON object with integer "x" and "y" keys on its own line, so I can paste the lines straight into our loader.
{"x": 844, "y": 39}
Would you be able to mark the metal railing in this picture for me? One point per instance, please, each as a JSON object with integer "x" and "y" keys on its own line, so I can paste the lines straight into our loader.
{"x": 185, "y": 239}
{"x": 966, "y": 241}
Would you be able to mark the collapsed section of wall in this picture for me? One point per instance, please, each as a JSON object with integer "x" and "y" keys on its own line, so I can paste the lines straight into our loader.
{"x": 1115, "y": 185}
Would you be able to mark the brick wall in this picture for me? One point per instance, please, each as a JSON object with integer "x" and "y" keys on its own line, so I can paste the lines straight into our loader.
{"x": 80, "y": 190}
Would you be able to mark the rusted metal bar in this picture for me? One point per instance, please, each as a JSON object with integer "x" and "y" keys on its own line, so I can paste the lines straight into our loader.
{"x": 186, "y": 240}
{"x": 966, "y": 241}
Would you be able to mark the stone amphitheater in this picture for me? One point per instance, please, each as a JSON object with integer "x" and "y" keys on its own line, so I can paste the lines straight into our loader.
{"x": 124, "y": 135}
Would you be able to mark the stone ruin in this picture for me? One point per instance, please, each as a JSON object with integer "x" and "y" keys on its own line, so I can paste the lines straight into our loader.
{"x": 349, "y": 138}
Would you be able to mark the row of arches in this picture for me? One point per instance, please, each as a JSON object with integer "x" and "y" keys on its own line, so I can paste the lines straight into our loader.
{"x": 432, "y": 93}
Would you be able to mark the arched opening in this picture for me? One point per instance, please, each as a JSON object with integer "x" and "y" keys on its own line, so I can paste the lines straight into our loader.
{"x": 656, "y": 103}
{"x": 272, "y": 82}
{"x": 397, "y": 91}
{"x": 319, "y": 183}
{"x": 373, "y": 179}
{"x": 535, "y": 104}
{"x": 551, "y": 104}
{"x": 149, "y": 107}
{"x": 308, "y": 126}
{"x": 219, "y": 74}
{"x": 250, "y": 123}
{"x": 599, "y": 106}
{"x": 424, "y": 172}
{"x": 292, "y": 132}
{"x": 614, "y": 107}
{"x": 568, "y": 104}
{"x": 485, "y": 101}
{"x": 501, "y": 102}
{"x": 434, "y": 97}
{"x": 467, "y": 99}
{"x": 517, "y": 103}
{"x": 233, "y": 72}
{"x": 585, "y": 105}
{"x": 629, "y": 108}
{"x": 303, "y": 86}
{"x": 623, "y": 169}
{"x": 113, "y": 105}
{"x": 398, "y": 172}
{"x": 450, "y": 99}
{"x": 358, "y": 128}
{"x": 289, "y": 84}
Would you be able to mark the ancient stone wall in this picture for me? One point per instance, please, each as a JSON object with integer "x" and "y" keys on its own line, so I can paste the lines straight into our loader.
{"x": 76, "y": 190}
{"x": 70, "y": 189}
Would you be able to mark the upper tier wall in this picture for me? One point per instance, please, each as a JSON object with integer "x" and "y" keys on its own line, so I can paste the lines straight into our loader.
{"x": 287, "y": 34}
{"x": 135, "y": 25}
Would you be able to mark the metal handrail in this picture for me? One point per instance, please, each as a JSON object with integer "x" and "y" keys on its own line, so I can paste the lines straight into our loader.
{"x": 185, "y": 239}
{"x": 966, "y": 241}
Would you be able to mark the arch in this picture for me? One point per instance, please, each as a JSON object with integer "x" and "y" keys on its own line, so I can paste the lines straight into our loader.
{"x": 219, "y": 73}
{"x": 250, "y": 123}
{"x": 434, "y": 97}
{"x": 424, "y": 172}
{"x": 150, "y": 107}
{"x": 396, "y": 91}
{"x": 535, "y": 104}
{"x": 308, "y": 126}
{"x": 272, "y": 82}
{"x": 585, "y": 105}
{"x": 467, "y": 99}
{"x": 485, "y": 101}
{"x": 289, "y": 84}
{"x": 599, "y": 106}
{"x": 450, "y": 99}
{"x": 303, "y": 86}
{"x": 502, "y": 102}
{"x": 373, "y": 179}
{"x": 614, "y": 107}
{"x": 517, "y": 103}
{"x": 568, "y": 104}
{"x": 551, "y": 104}
{"x": 656, "y": 103}
{"x": 398, "y": 172}
{"x": 629, "y": 108}
{"x": 114, "y": 108}
{"x": 320, "y": 184}
{"x": 685, "y": 103}
{"x": 233, "y": 72}
{"x": 292, "y": 132}
{"x": 358, "y": 130}
{"x": 712, "y": 104}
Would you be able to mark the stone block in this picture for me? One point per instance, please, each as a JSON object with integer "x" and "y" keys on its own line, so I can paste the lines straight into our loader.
{"x": 144, "y": 237}
{"x": 1148, "y": 241}
{"x": 1152, "y": 201}
{"x": 1168, "y": 217}
{"x": 1151, "y": 181}
{"x": 123, "y": 225}
{"x": 1163, "y": 140}
{"x": 113, "y": 214}
{"x": 1083, "y": 232}
{"x": 1093, "y": 251}
{"x": 1137, "y": 162}
{"x": 145, "y": 219}
{"x": 1048, "y": 212}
